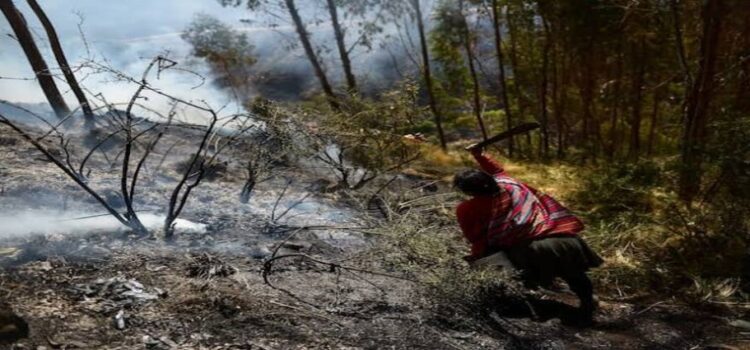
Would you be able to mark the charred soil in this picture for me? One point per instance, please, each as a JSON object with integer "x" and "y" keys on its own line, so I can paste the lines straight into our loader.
{"x": 206, "y": 289}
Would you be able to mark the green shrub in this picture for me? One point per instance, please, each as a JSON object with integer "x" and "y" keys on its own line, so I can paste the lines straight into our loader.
{"x": 619, "y": 190}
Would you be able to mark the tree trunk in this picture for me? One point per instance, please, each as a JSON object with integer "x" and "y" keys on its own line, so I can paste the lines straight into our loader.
{"x": 698, "y": 102}
{"x": 635, "y": 121}
{"x": 26, "y": 40}
{"x": 517, "y": 78}
{"x": 742, "y": 96}
{"x": 586, "y": 90}
{"x": 654, "y": 122}
{"x": 346, "y": 62}
{"x": 304, "y": 38}
{"x": 558, "y": 94}
{"x": 614, "y": 119}
{"x": 476, "y": 105}
{"x": 543, "y": 115}
{"x": 501, "y": 70}
{"x": 679, "y": 42}
{"x": 62, "y": 61}
{"x": 428, "y": 75}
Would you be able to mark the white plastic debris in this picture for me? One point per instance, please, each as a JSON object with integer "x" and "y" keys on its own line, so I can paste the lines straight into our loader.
{"x": 120, "y": 320}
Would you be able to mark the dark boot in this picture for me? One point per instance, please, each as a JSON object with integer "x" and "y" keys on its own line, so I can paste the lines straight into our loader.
{"x": 581, "y": 285}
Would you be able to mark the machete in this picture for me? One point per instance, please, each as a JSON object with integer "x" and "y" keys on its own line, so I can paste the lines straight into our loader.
{"x": 525, "y": 127}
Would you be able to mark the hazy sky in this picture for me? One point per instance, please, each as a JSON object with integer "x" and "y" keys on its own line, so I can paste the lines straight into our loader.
{"x": 127, "y": 33}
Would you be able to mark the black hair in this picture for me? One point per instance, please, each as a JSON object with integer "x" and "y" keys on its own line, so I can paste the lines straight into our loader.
{"x": 476, "y": 183}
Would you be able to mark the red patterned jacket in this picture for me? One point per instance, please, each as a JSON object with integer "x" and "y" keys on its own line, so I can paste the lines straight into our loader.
{"x": 518, "y": 213}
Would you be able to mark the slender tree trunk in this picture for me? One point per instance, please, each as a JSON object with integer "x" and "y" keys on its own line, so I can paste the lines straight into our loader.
{"x": 699, "y": 100}
{"x": 637, "y": 94}
{"x": 304, "y": 38}
{"x": 742, "y": 96}
{"x": 586, "y": 90}
{"x": 62, "y": 61}
{"x": 338, "y": 32}
{"x": 515, "y": 68}
{"x": 43, "y": 74}
{"x": 501, "y": 71}
{"x": 518, "y": 79}
{"x": 477, "y": 103}
{"x": 427, "y": 74}
{"x": 558, "y": 95}
{"x": 614, "y": 119}
{"x": 543, "y": 89}
{"x": 654, "y": 124}
{"x": 594, "y": 135}
{"x": 679, "y": 42}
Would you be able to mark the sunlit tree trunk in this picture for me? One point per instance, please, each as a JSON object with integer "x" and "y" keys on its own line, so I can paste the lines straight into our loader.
{"x": 476, "y": 105}
{"x": 501, "y": 71}
{"x": 427, "y": 74}
{"x": 43, "y": 74}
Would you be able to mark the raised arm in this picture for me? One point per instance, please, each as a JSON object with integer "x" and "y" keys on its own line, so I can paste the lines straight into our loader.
{"x": 487, "y": 164}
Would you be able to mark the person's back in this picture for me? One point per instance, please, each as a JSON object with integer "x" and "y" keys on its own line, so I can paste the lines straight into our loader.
{"x": 511, "y": 212}
{"x": 538, "y": 234}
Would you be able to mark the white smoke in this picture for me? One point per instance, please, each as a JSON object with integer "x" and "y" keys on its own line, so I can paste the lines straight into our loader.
{"x": 31, "y": 222}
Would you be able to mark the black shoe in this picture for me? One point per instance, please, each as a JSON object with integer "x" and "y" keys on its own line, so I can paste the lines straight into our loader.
{"x": 585, "y": 312}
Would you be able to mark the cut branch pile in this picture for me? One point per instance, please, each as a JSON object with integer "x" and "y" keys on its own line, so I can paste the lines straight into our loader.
{"x": 110, "y": 295}
{"x": 206, "y": 266}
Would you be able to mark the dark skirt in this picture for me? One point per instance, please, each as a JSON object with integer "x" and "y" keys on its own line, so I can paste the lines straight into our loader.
{"x": 540, "y": 261}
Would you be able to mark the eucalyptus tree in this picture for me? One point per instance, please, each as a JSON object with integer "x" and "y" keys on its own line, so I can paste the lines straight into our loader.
{"x": 38, "y": 64}
{"x": 62, "y": 61}
{"x": 427, "y": 73}
{"x": 227, "y": 51}
{"x": 274, "y": 8}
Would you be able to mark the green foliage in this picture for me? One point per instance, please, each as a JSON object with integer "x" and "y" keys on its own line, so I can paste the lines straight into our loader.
{"x": 426, "y": 126}
{"x": 217, "y": 42}
{"x": 619, "y": 190}
{"x": 228, "y": 52}
{"x": 654, "y": 241}
{"x": 367, "y": 137}
{"x": 710, "y": 238}
{"x": 714, "y": 232}
{"x": 446, "y": 40}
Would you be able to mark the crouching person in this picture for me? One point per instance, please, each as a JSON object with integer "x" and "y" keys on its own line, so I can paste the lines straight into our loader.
{"x": 538, "y": 235}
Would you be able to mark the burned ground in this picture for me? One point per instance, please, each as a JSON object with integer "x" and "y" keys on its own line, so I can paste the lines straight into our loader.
{"x": 205, "y": 290}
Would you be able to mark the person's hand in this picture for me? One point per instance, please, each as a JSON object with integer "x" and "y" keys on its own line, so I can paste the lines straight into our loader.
{"x": 474, "y": 150}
